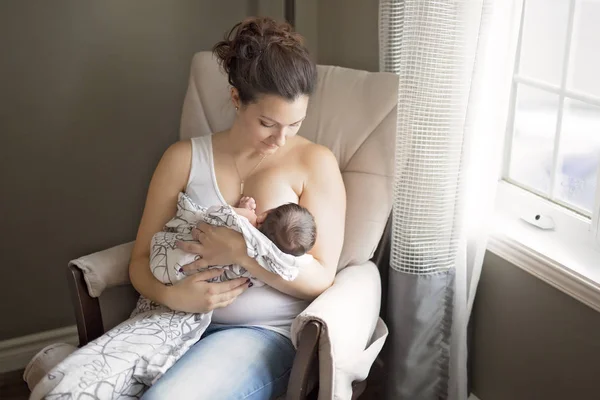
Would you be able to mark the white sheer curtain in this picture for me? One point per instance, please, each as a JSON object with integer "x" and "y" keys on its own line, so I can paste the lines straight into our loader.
{"x": 454, "y": 59}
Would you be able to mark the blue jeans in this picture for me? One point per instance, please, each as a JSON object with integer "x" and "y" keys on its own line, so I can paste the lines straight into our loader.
{"x": 229, "y": 362}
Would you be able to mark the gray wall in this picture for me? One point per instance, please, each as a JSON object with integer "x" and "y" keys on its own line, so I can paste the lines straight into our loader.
{"x": 348, "y": 33}
{"x": 90, "y": 97}
{"x": 532, "y": 341}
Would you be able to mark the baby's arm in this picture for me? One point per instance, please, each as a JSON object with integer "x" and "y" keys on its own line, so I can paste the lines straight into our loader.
{"x": 244, "y": 212}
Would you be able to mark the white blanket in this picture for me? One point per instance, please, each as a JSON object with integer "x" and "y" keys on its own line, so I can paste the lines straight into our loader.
{"x": 124, "y": 361}
{"x": 166, "y": 259}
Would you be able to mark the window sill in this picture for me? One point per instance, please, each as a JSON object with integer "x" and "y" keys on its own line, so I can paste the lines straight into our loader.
{"x": 573, "y": 267}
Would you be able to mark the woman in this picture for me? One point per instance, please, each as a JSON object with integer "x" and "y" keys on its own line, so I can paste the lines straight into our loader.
{"x": 247, "y": 352}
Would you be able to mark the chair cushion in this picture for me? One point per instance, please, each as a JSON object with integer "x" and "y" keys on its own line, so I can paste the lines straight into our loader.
{"x": 106, "y": 268}
{"x": 44, "y": 361}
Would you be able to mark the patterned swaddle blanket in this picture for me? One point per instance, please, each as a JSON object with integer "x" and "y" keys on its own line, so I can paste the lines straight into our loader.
{"x": 124, "y": 361}
{"x": 166, "y": 259}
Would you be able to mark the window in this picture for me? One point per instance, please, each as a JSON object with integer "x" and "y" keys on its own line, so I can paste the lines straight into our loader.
{"x": 553, "y": 132}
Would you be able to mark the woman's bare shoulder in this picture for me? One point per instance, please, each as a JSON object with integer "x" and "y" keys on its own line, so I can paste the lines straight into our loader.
{"x": 179, "y": 153}
{"x": 315, "y": 156}
{"x": 182, "y": 148}
{"x": 175, "y": 163}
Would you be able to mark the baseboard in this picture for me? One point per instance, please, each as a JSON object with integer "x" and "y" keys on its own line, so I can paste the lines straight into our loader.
{"x": 15, "y": 353}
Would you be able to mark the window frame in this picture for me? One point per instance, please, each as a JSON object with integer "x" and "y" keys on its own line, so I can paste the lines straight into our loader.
{"x": 575, "y": 221}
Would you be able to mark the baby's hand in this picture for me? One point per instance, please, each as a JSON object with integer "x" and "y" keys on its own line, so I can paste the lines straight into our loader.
{"x": 247, "y": 208}
{"x": 248, "y": 203}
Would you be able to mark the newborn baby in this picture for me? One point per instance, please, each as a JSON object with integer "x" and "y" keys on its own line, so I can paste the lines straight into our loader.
{"x": 290, "y": 227}
{"x": 279, "y": 243}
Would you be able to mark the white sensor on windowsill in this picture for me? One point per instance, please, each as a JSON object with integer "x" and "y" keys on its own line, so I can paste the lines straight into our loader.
{"x": 544, "y": 222}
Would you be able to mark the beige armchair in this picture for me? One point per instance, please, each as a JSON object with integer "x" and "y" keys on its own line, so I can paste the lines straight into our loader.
{"x": 339, "y": 335}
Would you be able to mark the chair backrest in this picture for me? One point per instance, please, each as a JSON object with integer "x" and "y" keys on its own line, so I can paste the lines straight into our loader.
{"x": 352, "y": 112}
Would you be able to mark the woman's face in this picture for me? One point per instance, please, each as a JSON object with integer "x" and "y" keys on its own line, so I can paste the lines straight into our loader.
{"x": 269, "y": 121}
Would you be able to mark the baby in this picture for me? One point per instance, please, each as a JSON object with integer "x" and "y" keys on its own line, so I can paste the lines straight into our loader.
{"x": 290, "y": 226}
{"x": 278, "y": 238}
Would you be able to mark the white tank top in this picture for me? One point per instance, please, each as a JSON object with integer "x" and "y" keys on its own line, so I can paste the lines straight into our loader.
{"x": 258, "y": 306}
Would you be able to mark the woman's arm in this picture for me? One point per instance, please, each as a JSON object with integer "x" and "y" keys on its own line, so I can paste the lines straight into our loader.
{"x": 169, "y": 178}
{"x": 324, "y": 196}
{"x": 191, "y": 294}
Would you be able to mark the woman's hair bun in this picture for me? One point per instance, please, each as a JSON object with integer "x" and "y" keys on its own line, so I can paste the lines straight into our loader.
{"x": 263, "y": 56}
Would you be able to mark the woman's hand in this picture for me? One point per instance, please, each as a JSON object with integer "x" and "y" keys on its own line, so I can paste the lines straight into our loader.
{"x": 215, "y": 246}
{"x": 193, "y": 294}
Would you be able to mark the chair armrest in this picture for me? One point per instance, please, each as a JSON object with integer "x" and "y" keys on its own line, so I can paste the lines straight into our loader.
{"x": 87, "y": 308}
{"x": 88, "y": 277}
{"x": 105, "y": 269}
{"x": 352, "y": 302}
{"x": 351, "y": 332}
{"x": 304, "y": 374}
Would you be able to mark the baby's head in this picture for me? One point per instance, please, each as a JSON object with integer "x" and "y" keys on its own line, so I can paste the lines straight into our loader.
{"x": 291, "y": 227}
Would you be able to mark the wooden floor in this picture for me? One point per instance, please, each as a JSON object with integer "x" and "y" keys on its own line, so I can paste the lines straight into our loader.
{"x": 12, "y": 386}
